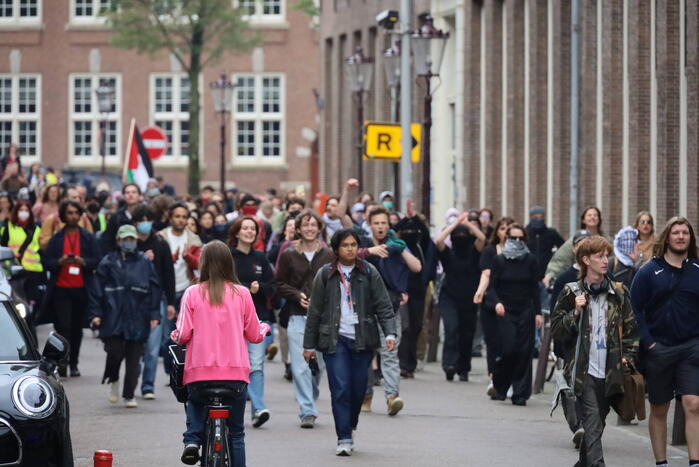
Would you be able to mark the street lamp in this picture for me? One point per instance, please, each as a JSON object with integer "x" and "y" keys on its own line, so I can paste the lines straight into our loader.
{"x": 105, "y": 103}
{"x": 428, "y": 45}
{"x": 391, "y": 61}
{"x": 222, "y": 92}
{"x": 359, "y": 70}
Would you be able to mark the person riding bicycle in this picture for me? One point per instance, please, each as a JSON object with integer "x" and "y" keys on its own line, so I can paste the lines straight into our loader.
{"x": 217, "y": 319}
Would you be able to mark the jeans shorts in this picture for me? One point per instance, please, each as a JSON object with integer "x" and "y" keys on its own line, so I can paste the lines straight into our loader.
{"x": 672, "y": 371}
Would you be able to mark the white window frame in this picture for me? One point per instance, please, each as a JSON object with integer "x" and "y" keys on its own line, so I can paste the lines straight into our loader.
{"x": 95, "y": 117}
{"x": 93, "y": 20}
{"x": 176, "y": 159}
{"x": 260, "y": 19}
{"x": 22, "y": 21}
{"x": 16, "y": 117}
{"x": 259, "y": 117}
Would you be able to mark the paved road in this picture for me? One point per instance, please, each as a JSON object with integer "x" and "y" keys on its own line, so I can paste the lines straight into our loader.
{"x": 442, "y": 424}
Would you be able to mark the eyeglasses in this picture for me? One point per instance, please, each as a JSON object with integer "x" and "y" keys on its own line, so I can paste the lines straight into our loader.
{"x": 645, "y": 222}
{"x": 516, "y": 238}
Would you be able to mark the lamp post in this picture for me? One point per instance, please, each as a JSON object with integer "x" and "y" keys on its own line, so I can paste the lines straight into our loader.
{"x": 391, "y": 61}
{"x": 105, "y": 103}
{"x": 428, "y": 50}
{"x": 222, "y": 92}
{"x": 360, "y": 71}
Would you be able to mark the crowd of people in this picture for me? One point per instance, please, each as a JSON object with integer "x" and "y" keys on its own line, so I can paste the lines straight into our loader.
{"x": 346, "y": 287}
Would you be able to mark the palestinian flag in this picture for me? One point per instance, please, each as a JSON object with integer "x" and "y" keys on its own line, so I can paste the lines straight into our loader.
{"x": 139, "y": 167}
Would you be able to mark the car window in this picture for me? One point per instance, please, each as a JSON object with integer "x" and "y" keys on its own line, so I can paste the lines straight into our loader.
{"x": 13, "y": 344}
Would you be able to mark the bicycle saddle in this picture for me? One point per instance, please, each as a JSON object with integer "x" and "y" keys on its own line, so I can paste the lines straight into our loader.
{"x": 222, "y": 392}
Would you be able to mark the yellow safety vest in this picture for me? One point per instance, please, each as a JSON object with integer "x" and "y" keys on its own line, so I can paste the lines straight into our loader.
{"x": 31, "y": 261}
{"x": 103, "y": 222}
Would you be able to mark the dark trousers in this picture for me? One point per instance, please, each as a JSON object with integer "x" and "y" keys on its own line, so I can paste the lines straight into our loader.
{"x": 71, "y": 307}
{"x": 119, "y": 349}
{"x": 513, "y": 367}
{"x": 459, "y": 327}
{"x": 595, "y": 408}
{"x": 407, "y": 351}
{"x": 491, "y": 334}
{"x": 347, "y": 378}
{"x": 168, "y": 326}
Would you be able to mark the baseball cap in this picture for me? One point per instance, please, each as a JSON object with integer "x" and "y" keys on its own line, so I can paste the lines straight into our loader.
{"x": 579, "y": 235}
{"x": 126, "y": 230}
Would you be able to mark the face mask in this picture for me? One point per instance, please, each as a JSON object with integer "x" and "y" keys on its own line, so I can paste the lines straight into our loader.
{"x": 538, "y": 223}
{"x": 451, "y": 219}
{"x": 388, "y": 205}
{"x": 220, "y": 228}
{"x": 128, "y": 246}
{"x": 145, "y": 227}
{"x": 249, "y": 210}
{"x": 461, "y": 244}
{"x": 410, "y": 237}
{"x": 93, "y": 208}
{"x": 23, "y": 215}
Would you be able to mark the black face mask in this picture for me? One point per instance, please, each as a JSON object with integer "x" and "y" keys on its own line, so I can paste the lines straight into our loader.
{"x": 93, "y": 208}
{"x": 461, "y": 244}
{"x": 411, "y": 237}
{"x": 538, "y": 224}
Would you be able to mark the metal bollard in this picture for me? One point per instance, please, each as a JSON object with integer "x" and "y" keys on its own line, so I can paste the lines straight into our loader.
{"x": 103, "y": 458}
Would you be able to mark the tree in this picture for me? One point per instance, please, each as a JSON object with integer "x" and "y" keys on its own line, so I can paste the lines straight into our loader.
{"x": 196, "y": 32}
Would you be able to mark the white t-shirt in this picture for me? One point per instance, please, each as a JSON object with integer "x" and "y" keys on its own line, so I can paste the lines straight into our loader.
{"x": 309, "y": 255}
{"x": 177, "y": 244}
{"x": 597, "y": 364}
{"x": 347, "y": 317}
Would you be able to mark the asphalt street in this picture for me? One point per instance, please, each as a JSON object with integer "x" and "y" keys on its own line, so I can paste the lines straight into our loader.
{"x": 443, "y": 423}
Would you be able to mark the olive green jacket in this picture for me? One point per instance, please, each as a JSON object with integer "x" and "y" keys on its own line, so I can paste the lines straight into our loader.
{"x": 565, "y": 327}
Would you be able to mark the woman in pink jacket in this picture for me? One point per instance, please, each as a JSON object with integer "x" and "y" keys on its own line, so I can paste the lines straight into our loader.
{"x": 217, "y": 319}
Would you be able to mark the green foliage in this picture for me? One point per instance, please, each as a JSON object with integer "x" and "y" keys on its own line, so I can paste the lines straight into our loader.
{"x": 308, "y": 7}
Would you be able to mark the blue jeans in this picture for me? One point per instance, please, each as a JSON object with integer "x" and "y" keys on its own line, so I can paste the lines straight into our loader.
{"x": 152, "y": 353}
{"x": 347, "y": 378}
{"x": 390, "y": 367}
{"x": 305, "y": 384}
{"x": 196, "y": 418}
{"x": 256, "y": 389}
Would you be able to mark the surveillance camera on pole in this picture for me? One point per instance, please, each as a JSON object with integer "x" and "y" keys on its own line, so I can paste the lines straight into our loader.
{"x": 387, "y": 19}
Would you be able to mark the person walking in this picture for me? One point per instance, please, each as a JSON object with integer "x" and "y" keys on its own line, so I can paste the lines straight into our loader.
{"x": 255, "y": 273}
{"x": 297, "y": 267}
{"x": 516, "y": 295}
{"x": 158, "y": 252}
{"x": 594, "y": 320}
{"x": 347, "y": 301}
{"x": 124, "y": 304}
{"x": 132, "y": 198}
{"x": 665, "y": 299}
{"x": 461, "y": 277}
{"x": 71, "y": 257}
{"x": 53, "y": 222}
{"x": 216, "y": 321}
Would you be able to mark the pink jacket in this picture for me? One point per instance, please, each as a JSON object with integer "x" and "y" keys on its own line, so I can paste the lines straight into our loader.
{"x": 216, "y": 335}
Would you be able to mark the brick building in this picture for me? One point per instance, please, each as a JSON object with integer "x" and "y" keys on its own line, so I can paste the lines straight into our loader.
{"x": 501, "y": 133}
{"x": 54, "y": 54}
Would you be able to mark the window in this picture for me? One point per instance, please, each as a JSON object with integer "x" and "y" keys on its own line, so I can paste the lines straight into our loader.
{"x": 87, "y": 122}
{"x": 20, "y": 11}
{"x": 259, "y": 119}
{"x": 261, "y": 11}
{"x": 20, "y": 113}
{"x": 170, "y": 111}
{"x": 90, "y": 11}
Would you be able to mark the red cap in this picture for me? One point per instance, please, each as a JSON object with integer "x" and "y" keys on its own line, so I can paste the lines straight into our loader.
{"x": 103, "y": 456}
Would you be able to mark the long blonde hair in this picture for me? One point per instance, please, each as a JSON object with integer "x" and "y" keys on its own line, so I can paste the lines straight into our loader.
{"x": 217, "y": 270}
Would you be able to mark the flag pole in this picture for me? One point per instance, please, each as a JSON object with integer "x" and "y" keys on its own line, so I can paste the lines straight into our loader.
{"x": 127, "y": 156}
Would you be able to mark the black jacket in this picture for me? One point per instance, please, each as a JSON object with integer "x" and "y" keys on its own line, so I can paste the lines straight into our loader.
{"x": 108, "y": 237}
{"x": 126, "y": 296}
{"x": 162, "y": 262}
{"x": 89, "y": 251}
{"x": 369, "y": 299}
{"x": 543, "y": 243}
{"x": 253, "y": 267}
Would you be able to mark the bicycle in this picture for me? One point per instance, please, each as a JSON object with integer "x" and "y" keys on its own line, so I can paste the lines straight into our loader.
{"x": 216, "y": 451}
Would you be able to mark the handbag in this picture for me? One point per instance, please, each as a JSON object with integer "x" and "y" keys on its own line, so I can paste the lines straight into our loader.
{"x": 632, "y": 402}
{"x": 177, "y": 374}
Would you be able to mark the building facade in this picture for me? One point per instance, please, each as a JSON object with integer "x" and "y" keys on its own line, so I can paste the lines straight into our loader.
{"x": 501, "y": 136}
{"x": 55, "y": 54}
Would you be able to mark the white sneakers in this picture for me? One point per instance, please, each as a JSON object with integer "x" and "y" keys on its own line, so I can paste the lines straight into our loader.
{"x": 344, "y": 448}
{"x": 149, "y": 396}
{"x": 131, "y": 403}
{"x": 114, "y": 392}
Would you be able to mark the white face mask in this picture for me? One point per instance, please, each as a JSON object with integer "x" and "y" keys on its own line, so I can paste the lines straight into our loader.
{"x": 23, "y": 215}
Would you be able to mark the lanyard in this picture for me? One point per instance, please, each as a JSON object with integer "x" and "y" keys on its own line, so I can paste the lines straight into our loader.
{"x": 347, "y": 287}
{"x": 74, "y": 243}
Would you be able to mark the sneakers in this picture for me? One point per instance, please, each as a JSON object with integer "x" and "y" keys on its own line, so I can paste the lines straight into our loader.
{"x": 149, "y": 396}
{"x": 510, "y": 392}
{"x": 395, "y": 404}
{"x": 450, "y": 372}
{"x": 463, "y": 377}
{"x": 272, "y": 350}
{"x": 190, "y": 455}
{"x": 114, "y": 392}
{"x": 519, "y": 402}
{"x": 260, "y": 417}
{"x": 407, "y": 374}
{"x": 491, "y": 390}
{"x": 130, "y": 403}
{"x": 344, "y": 448}
{"x": 308, "y": 421}
{"x": 366, "y": 405}
{"x": 287, "y": 372}
{"x": 74, "y": 372}
{"x": 578, "y": 437}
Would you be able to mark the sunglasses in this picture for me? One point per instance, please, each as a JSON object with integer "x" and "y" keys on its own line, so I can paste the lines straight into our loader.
{"x": 516, "y": 238}
{"x": 646, "y": 222}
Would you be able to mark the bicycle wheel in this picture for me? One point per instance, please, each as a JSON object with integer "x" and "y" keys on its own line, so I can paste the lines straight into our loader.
{"x": 217, "y": 454}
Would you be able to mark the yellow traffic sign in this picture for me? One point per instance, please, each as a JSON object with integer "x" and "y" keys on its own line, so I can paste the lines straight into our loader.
{"x": 383, "y": 141}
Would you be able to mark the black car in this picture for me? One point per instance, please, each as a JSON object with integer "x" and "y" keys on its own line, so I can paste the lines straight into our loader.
{"x": 34, "y": 412}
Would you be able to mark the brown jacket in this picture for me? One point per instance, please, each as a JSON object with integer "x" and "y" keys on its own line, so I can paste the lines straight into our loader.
{"x": 295, "y": 275}
{"x": 53, "y": 224}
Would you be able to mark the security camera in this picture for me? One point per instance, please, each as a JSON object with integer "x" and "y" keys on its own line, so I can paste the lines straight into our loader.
{"x": 387, "y": 19}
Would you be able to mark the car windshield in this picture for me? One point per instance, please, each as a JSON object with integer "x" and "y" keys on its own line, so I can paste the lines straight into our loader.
{"x": 14, "y": 346}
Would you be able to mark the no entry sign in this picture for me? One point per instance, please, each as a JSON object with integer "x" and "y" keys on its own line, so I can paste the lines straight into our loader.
{"x": 155, "y": 141}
